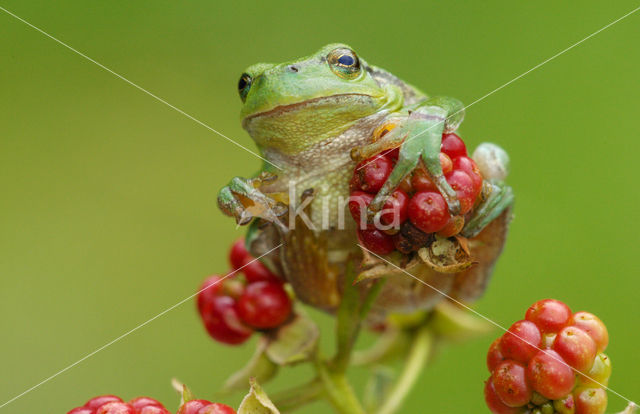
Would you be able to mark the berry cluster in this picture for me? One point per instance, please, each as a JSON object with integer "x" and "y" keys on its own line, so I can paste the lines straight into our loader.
{"x": 231, "y": 308}
{"x": 110, "y": 404}
{"x": 550, "y": 362}
{"x": 204, "y": 407}
{"x": 416, "y": 210}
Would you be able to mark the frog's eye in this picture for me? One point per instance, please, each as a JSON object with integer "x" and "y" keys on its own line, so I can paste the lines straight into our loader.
{"x": 244, "y": 84}
{"x": 344, "y": 63}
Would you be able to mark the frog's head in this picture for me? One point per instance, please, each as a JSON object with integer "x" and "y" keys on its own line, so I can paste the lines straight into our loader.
{"x": 293, "y": 105}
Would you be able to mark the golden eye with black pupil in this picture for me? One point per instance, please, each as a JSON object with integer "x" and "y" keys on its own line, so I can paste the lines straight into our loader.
{"x": 344, "y": 63}
{"x": 244, "y": 84}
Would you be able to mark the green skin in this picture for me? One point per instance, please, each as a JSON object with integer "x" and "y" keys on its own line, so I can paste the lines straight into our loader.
{"x": 314, "y": 117}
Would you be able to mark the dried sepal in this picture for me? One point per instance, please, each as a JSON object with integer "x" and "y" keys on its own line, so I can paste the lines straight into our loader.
{"x": 257, "y": 401}
{"x": 295, "y": 341}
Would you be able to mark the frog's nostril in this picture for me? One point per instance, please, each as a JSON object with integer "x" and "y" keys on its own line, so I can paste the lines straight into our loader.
{"x": 292, "y": 68}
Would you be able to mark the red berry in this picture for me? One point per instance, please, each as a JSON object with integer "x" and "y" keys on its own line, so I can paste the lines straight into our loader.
{"x": 255, "y": 271}
{"x": 549, "y": 315}
{"x": 428, "y": 211}
{"x": 576, "y": 347}
{"x": 116, "y": 408}
{"x": 152, "y": 409}
{"x": 549, "y": 375}
{"x": 495, "y": 404}
{"x": 590, "y": 401}
{"x": 358, "y": 203}
{"x": 238, "y": 254}
{"x": 469, "y": 166}
{"x": 592, "y": 325}
{"x": 453, "y": 227}
{"x": 463, "y": 186}
{"x": 453, "y": 146}
{"x": 101, "y": 400}
{"x": 209, "y": 289}
{"x": 420, "y": 181}
{"x": 221, "y": 320}
{"x": 217, "y": 408}
{"x": 445, "y": 163}
{"x": 405, "y": 184}
{"x": 494, "y": 356}
{"x": 373, "y": 172}
{"x": 81, "y": 410}
{"x": 394, "y": 211}
{"x": 510, "y": 383}
{"x": 264, "y": 305}
{"x": 141, "y": 402}
{"x": 521, "y": 341}
{"x": 215, "y": 286}
{"x": 392, "y": 154}
{"x": 376, "y": 241}
{"x": 193, "y": 406}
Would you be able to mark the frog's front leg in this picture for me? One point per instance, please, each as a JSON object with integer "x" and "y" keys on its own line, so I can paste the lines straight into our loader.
{"x": 420, "y": 136}
{"x": 242, "y": 200}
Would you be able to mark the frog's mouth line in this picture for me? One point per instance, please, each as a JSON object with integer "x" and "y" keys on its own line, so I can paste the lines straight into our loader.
{"x": 279, "y": 110}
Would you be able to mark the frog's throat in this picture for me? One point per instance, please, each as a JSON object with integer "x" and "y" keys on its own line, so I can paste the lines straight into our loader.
{"x": 295, "y": 128}
{"x": 281, "y": 109}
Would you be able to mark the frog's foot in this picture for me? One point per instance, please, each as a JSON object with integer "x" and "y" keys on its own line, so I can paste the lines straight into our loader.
{"x": 496, "y": 198}
{"x": 448, "y": 193}
{"x": 242, "y": 200}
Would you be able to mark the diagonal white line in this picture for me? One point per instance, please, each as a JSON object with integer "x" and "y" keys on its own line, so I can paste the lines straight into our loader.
{"x": 108, "y": 344}
{"x": 544, "y": 62}
{"x": 139, "y": 87}
{"x": 491, "y": 321}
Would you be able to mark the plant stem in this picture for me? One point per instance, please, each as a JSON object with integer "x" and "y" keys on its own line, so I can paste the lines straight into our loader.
{"x": 417, "y": 358}
{"x": 295, "y": 397}
{"x": 390, "y": 344}
{"x": 352, "y": 311}
{"x": 338, "y": 390}
{"x": 347, "y": 322}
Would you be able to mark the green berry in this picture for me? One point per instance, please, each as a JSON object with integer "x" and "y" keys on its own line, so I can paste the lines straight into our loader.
{"x": 599, "y": 373}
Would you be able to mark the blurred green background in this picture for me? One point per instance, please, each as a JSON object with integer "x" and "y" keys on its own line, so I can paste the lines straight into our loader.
{"x": 108, "y": 214}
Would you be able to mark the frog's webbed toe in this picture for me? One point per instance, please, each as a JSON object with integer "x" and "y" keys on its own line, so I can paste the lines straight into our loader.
{"x": 243, "y": 200}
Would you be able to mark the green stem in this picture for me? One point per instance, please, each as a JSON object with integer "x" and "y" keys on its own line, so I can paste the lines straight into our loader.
{"x": 352, "y": 311}
{"x": 415, "y": 362}
{"x": 371, "y": 296}
{"x": 390, "y": 344}
{"x": 338, "y": 390}
{"x": 347, "y": 322}
{"x": 296, "y": 397}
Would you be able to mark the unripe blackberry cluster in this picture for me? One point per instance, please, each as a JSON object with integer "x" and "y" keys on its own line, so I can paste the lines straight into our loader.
{"x": 416, "y": 210}
{"x": 550, "y": 362}
{"x": 111, "y": 404}
{"x": 232, "y": 308}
